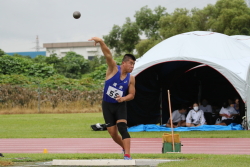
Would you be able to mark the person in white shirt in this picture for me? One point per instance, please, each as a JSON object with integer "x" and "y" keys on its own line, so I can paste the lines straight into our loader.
{"x": 195, "y": 117}
{"x": 227, "y": 112}
{"x": 207, "y": 109}
{"x": 178, "y": 117}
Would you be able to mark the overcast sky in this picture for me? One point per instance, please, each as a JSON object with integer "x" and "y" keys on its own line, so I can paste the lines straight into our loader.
{"x": 22, "y": 20}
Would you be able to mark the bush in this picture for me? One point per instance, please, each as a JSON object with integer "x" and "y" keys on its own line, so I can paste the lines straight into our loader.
{"x": 96, "y": 62}
{"x": 17, "y": 65}
{"x": 73, "y": 65}
{"x": 14, "y": 79}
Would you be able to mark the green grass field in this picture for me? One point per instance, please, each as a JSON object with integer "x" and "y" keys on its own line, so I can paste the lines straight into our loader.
{"x": 78, "y": 126}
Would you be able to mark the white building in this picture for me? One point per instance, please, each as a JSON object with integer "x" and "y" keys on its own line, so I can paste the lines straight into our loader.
{"x": 86, "y": 49}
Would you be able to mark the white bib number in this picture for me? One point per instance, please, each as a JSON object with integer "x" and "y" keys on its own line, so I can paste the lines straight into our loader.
{"x": 113, "y": 92}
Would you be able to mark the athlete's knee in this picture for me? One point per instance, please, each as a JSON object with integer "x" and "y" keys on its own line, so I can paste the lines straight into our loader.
{"x": 113, "y": 131}
{"x": 122, "y": 128}
{"x": 113, "y": 134}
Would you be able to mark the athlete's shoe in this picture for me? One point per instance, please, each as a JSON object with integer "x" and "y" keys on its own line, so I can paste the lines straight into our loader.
{"x": 127, "y": 158}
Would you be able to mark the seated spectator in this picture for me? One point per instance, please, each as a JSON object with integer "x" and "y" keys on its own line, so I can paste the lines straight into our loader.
{"x": 195, "y": 117}
{"x": 207, "y": 109}
{"x": 216, "y": 113}
{"x": 227, "y": 112}
{"x": 178, "y": 117}
{"x": 230, "y": 101}
{"x": 236, "y": 105}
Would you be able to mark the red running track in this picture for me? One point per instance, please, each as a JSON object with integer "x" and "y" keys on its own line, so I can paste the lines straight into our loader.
{"x": 138, "y": 145}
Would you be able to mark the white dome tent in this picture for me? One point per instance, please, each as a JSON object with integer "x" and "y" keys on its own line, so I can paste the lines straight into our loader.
{"x": 218, "y": 52}
{"x": 242, "y": 38}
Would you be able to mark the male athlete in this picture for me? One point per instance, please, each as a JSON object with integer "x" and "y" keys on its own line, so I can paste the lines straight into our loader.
{"x": 119, "y": 88}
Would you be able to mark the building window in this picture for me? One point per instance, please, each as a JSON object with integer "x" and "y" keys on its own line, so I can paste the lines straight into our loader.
{"x": 91, "y": 57}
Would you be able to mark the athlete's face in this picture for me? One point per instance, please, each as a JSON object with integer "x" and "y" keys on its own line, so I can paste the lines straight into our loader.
{"x": 129, "y": 65}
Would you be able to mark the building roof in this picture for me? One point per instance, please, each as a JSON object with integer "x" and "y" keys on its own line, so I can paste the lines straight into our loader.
{"x": 70, "y": 44}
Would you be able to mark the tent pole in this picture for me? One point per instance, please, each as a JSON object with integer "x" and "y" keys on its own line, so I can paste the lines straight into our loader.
{"x": 247, "y": 104}
{"x": 171, "y": 120}
{"x": 161, "y": 105}
{"x": 246, "y": 117}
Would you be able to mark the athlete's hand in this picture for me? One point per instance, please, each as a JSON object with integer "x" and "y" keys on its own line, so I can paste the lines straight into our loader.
{"x": 119, "y": 99}
{"x": 96, "y": 39}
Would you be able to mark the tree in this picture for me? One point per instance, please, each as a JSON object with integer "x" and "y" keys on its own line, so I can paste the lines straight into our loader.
{"x": 178, "y": 22}
{"x": 40, "y": 59}
{"x": 113, "y": 40}
{"x": 148, "y": 20}
{"x": 52, "y": 59}
{"x": 129, "y": 35}
{"x": 143, "y": 46}
{"x": 123, "y": 39}
{"x": 96, "y": 62}
{"x": 200, "y": 18}
{"x": 73, "y": 65}
{"x": 2, "y": 52}
{"x": 231, "y": 17}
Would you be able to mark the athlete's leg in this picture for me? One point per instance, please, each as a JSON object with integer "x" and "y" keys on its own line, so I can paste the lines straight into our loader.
{"x": 122, "y": 128}
{"x": 115, "y": 136}
{"x": 110, "y": 120}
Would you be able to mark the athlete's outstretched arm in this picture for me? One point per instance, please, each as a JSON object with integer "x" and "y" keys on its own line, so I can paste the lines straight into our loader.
{"x": 131, "y": 91}
{"x": 110, "y": 61}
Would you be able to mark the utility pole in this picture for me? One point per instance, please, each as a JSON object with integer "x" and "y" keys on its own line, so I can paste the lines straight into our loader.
{"x": 37, "y": 47}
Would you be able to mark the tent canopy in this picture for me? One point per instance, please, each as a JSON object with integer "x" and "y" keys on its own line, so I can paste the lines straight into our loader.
{"x": 242, "y": 38}
{"x": 185, "y": 64}
{"x": 226, "y": 55}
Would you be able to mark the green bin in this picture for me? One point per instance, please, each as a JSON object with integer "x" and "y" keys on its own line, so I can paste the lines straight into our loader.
{"x": 168, "y": 147}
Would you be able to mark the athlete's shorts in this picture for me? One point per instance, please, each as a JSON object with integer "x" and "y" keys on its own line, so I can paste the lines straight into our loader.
{"x": 113, "y": 112}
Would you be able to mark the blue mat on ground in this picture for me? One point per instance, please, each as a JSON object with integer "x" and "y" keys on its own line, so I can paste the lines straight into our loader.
{"x": 158, "y": 128}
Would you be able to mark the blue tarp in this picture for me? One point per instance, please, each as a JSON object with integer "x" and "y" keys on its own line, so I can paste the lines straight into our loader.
{"x": 158, "y": 128}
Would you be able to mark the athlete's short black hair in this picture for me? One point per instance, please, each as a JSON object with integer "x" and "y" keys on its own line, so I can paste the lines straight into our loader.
{"x": 126, "y": 57}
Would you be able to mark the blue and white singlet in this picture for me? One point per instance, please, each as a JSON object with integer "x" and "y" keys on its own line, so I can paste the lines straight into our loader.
{"x": 115, "y": 86}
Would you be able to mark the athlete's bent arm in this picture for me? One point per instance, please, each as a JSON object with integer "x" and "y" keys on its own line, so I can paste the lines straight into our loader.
{"x": 109, "y": 59}
{"x": 131, "y": 91}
